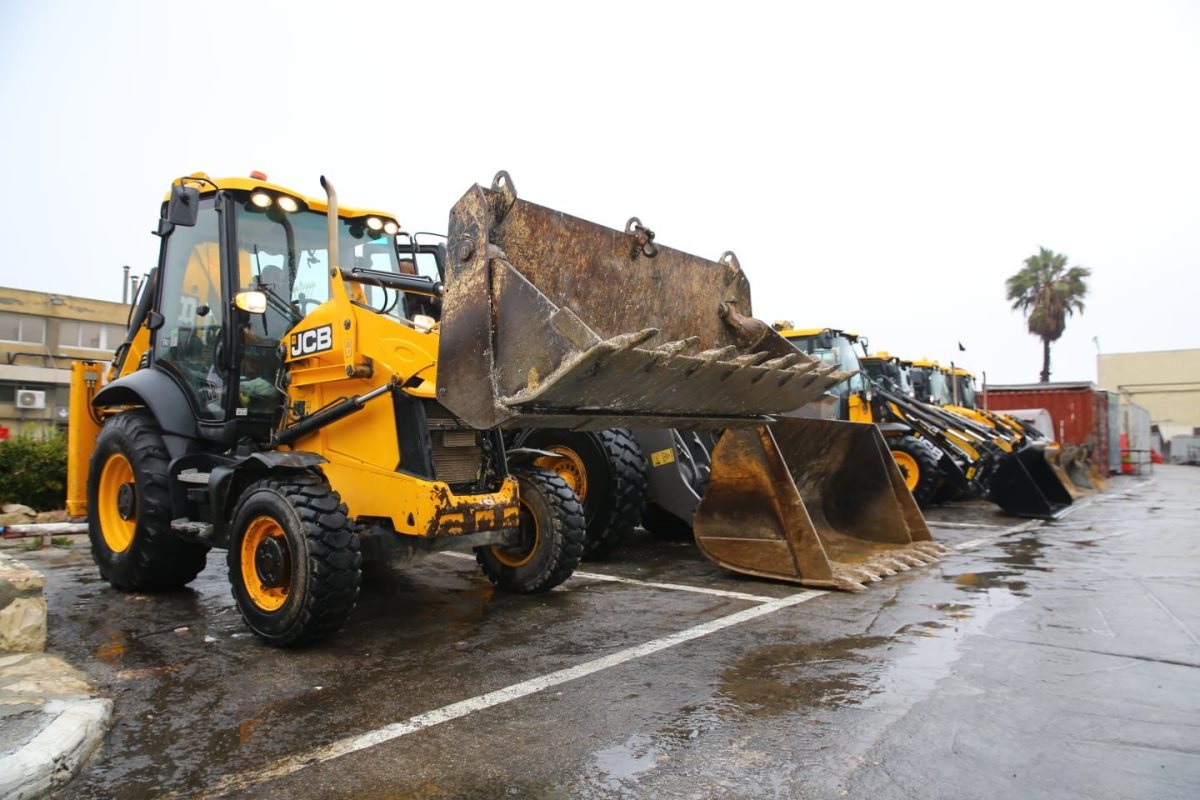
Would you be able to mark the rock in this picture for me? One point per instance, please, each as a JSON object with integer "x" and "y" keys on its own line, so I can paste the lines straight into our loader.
{"x": 22, "y": 607}
{"x": 17, "y": 508}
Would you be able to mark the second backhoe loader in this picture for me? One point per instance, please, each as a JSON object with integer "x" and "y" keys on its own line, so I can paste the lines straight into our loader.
{"x": 804, "y": 500}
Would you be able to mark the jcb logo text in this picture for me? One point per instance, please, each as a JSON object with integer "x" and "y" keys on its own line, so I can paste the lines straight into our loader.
{"x": 317, "y": 340}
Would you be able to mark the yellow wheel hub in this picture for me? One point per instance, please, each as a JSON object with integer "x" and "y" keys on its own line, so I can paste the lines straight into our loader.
{"x": 570, "y": 468}
{"x": 266, "y": 564}
{"x": 117, "y": 503}
{"x": 908, "y": 468}
{"x": 521, "y": 554}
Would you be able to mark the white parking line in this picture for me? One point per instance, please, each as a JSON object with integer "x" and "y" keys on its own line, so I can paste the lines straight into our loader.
{"x": 237, "y": 784}
{"x": 958, "y": 525}
{"x": 673, "y": 587}
{"x": 1024, "y": 526}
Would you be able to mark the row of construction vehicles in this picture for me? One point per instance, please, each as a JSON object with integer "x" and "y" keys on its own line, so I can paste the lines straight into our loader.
{"x": 300, "y": 389}
{"x": 304, "y": 385}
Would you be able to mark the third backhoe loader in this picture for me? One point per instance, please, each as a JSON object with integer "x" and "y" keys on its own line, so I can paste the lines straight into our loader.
{"x": 805, "y": 499}
{"x": 953, "y": 388}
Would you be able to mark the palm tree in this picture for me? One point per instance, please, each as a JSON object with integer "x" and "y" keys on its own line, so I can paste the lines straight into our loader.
{"x": 1047, "y": 291}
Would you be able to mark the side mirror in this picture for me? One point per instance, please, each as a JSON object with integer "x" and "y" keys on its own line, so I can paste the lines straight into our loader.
{"x": 251, "y": 301}
{"x": 154, "y": 320}
{"x": 184, "y": 205}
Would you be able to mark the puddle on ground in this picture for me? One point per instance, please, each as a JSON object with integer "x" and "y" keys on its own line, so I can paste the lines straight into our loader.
{"x": 617, "y": 769}
{"x": 935, "y": 647}
{"x": 987, "y": 581}
{"x": 782, "y": 677}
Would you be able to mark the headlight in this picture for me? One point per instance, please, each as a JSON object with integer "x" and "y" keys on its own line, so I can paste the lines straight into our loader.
{"x": 375, "y": 223}
{"x": 252, "y": 301}
{"x": 261, "y": 199}
{"x": 391, "y": 228}
{"x": 288, "y": 204}
{"x": 423, "y": 323}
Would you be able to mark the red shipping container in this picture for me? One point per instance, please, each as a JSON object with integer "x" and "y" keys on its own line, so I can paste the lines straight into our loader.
{"x": 1079, "y": 411}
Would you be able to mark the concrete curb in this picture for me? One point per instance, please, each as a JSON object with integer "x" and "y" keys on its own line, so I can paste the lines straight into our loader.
{"x": 53, "y": 756}
{"x": 49, "y": 722}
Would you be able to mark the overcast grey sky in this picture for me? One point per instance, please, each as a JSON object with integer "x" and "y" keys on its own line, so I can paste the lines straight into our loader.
{"x": 881, "y": 167}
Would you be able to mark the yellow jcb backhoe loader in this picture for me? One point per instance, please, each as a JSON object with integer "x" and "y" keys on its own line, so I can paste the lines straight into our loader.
{"x": 282, "y": 393}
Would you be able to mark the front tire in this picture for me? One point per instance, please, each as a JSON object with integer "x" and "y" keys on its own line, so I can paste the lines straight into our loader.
{"x": 294, "y": 562}
{"x": 129, "y": 509}
{"x": 607, "y": 472}
{"x": 550, "y": 540}
{"x": 918, "y": 462}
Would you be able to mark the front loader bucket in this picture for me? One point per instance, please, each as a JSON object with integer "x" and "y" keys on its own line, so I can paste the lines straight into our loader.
{"x": 1053, "y": 455}
{"x": 1025, "y": 485}
{"x": 1081, "y": 466}
{"x": 552, "y": 321}
{"x": 810, "y": 501}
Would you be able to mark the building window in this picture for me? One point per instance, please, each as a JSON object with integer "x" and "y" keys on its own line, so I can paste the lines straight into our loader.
{"x": 22, "y": 328}
{"x": 89, "y": 335}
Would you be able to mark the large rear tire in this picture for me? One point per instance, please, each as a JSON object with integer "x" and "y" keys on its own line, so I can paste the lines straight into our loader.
{"x": 294, "y": 563}
{"x": 607, "y": 472}
{"x": 918, "y": 462}
{"x": 550, "y": 539}
{"x": 129, "y": 509}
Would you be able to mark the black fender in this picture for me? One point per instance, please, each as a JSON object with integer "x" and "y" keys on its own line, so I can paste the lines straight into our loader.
{"x": 164, "y": 398}
{"x": 228, "y": 476}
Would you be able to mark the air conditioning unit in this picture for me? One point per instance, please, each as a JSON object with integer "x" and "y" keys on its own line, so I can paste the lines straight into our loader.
{"x": 30, "y": 398}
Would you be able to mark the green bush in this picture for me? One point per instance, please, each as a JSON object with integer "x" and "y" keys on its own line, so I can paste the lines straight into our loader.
{"x": 33, "y": 471}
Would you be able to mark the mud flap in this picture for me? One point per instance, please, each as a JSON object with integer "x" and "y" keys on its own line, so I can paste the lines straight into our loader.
{"x": 1025, "y": 485}
{"x": 811, "y": 501}
{"x": 552, "y": 321}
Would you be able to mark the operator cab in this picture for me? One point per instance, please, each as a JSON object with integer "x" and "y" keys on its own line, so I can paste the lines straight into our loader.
{"x": 930, "y": 384}
{"x": 242, "y": 262}
{"x": 888, "y": 371}
{"x": 834, "y": 347}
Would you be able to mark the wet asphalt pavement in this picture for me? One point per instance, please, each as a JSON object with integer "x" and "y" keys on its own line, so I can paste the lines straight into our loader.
{"x": 1058, "y": 660}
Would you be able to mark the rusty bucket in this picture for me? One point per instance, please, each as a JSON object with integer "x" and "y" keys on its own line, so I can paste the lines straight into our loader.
{"x": 811, "y": 501}
{"x": 553, "y": 321}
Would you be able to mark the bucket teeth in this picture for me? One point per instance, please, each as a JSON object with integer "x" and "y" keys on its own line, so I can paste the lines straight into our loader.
{"x": 749, "y": 360}
{"x": 628, "y": 341}
{"x": 783, "y": 362}
{"x": 931, "y": 549}
{"x": 717, "y": 354}
{"x": 674, "y": 348}
{"x": 853, "y": 578}
{"x": 622, "y": 375}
